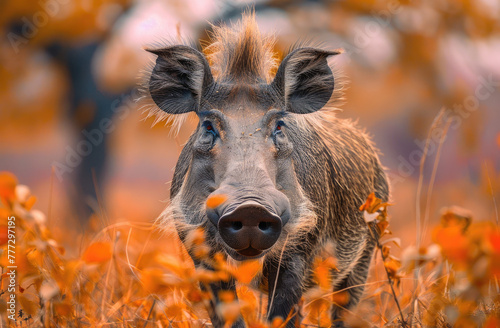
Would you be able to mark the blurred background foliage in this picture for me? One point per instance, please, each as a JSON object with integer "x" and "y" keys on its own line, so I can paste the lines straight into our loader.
{"x": 69, "y": 71}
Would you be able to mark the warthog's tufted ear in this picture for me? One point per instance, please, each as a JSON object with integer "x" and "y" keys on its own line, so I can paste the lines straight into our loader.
{"x": 178, "y": 80}
{"x": 304, "y": 80}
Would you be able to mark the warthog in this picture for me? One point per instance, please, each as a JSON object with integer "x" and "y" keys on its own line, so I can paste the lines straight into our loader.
{"x": 293, "y": 175}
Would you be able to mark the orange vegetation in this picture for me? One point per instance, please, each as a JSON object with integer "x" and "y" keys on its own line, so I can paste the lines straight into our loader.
{"x": 115, "y": 281}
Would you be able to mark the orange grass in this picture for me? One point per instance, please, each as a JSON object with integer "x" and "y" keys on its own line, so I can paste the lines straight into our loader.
{"x": 122, "y": 278}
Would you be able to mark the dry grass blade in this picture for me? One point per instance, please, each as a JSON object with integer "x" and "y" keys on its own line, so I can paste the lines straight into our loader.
{"x": 276, "y": 280}
{"x": 149, "y": 314}
{"x": 433, "y": 177}
{"x": 435, "y": 123}
{"x": 391, "y": 284}
{"x": 490, "y": 187}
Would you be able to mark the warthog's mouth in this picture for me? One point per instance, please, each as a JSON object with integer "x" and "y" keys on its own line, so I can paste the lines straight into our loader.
{"x": 249, "y": 252}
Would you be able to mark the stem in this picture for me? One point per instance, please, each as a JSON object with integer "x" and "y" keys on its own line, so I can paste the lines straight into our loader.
{"x": 435, "y": 123}
{"x": 276, "y": 280}
{"x": 149, "y": 314}
{"x": 433, "y": 178}
{"x": 391, "y": 283}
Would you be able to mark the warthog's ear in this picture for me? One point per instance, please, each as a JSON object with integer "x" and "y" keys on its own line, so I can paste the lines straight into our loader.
{"x": 304, "y": 80}
{"x": 178, "y": 79}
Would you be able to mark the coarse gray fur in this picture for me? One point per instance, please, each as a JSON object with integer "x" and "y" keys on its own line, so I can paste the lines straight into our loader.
{"x": 325, "y": 166}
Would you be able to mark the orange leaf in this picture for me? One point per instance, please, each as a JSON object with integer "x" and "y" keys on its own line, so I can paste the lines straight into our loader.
{"x": 195, "y": 295}
{"x": 215, "y": 201}
{"x": 249, "y": 306}
{"x": 246, "y": 271}
{"x": 454, "y": 244}
{"x": 456, "y": 216}
{"x": 98, "y": 252}
{"x": 195, "y": 242}
{"x": 320, "y": 312}
{"x": 374, "y": 204}
{"x": 382, "y": 226}
{"x": 196, "y": 236}
{"x": 492, "y": 322}
{"x": 30, "y": 202}
{"x": 4, "y": 231}
{"x": 63, "y": 309}
{"x": 340, "y": 298}
{"x": 226, "y": 296}
{"x": 175, "y": 311}
{"x": 386, "y": 251}
{"x": 392, "y": 266}
{"x": 322, "y": 272}
{"x": 174, "y": 265}
{"x": 370, "y": 204}
{"x": 8, "y": 184}
{"x": 229, "y": 312}
{"x": 153, "y": 281}
{"x": 277, "y": 322}
{"x": 28, "y": 305}
{"x": 494, "y": 239}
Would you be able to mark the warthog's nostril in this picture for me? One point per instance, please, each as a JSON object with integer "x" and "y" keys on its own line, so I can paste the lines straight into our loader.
{"x": 264, "y": 226}
{"x": 237, "y": 225}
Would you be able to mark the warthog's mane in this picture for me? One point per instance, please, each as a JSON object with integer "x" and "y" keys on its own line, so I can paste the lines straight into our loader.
{"x": 239, "y": 53}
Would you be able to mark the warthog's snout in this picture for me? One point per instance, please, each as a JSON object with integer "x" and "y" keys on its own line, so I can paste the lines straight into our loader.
{"x": 249, "y": 223}
{"x": 250, "y": 229}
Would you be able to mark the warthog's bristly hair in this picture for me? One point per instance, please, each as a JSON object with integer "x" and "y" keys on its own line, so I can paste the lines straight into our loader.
{"x": 239, "y": 52}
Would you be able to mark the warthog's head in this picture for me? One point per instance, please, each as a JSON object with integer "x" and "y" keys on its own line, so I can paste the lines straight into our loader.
{"x": 239, "y": 161}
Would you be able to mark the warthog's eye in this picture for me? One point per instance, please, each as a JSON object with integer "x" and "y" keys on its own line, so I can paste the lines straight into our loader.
{"x": 278, "y": 127}
{"x": 209, "y": 128}
{"x": 207, "y": 137}
{"x": 283, "y": 146}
